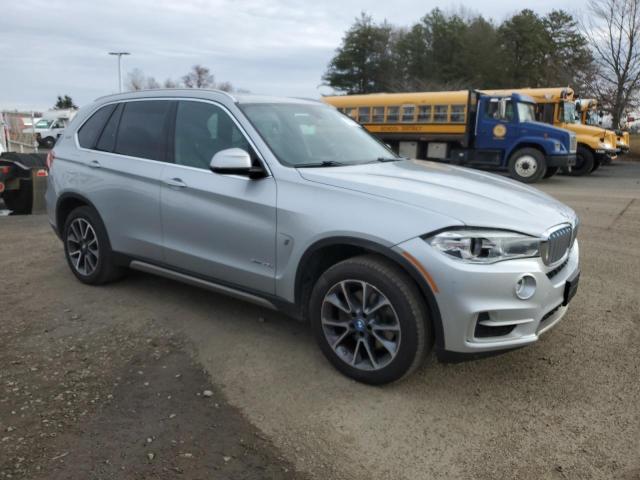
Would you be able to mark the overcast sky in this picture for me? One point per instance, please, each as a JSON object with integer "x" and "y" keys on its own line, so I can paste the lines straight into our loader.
{"x": 278, "y": 47}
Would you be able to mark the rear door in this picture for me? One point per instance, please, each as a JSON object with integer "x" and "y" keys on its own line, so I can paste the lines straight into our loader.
{"x": 217, "y": 226}
{"x": 125, "y": 167}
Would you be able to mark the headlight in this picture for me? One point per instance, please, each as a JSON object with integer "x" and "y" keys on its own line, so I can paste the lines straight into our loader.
{"x": 605, "y": 145}
{"x": 485, "y": 246}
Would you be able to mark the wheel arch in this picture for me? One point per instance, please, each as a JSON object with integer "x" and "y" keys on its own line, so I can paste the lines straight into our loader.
{"x": 66, "y": 203}
{"x": 526, "y": 144}
{"x": 328, "y": 251}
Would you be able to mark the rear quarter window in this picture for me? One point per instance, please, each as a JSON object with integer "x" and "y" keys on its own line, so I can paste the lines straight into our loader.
{"x": 91, "y": 129}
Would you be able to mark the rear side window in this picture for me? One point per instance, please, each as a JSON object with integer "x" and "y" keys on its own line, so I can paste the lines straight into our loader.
{"x": 142, "y": 130}
{"x": 107, "y": 140}
{"x": 202, "y": 130}
{"x": 89, "y": 132}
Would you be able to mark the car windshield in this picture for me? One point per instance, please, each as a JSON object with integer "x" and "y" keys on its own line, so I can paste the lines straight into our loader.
{"x": 569, "y": 114}
{"x": 305, "y": 135}
{"x": 44, "y": 123}
{"x": 526, "y": 112}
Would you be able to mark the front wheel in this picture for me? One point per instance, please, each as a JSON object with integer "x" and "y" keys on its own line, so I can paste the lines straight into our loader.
{"x": 585, "y": 162}
{"x": 527, "y": 165}
{"x": 370, "y": 320}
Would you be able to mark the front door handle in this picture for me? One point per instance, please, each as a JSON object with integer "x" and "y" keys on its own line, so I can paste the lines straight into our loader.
{"x": 175, "y": 182}
{"x": 94, "y": 164}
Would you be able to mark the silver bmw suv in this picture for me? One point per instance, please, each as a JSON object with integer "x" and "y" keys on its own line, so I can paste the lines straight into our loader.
{"x": 289, "y": 204}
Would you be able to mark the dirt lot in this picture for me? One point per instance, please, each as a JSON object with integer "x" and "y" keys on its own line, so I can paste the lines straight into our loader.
{"x": 90, "y": 375}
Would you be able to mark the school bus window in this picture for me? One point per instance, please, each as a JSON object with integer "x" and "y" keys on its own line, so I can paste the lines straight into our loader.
{"x": 340, "y": 109}
{"x": 378, "y": 115}
{"x": 408, "y": 113}
{"x": 350, "y": 111}
{"x": 363, "y": 114}
{"x": 440, "y": 113}
{"x": 457, "y": 113}
{"x": 393, "y": 114}
{"x": 424, "y": 113}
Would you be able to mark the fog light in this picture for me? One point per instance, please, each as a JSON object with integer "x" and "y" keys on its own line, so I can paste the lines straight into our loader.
{"x": 525, "y": 287}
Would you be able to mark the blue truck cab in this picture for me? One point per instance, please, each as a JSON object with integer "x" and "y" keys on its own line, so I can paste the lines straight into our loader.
{"x": 502, "y": 133}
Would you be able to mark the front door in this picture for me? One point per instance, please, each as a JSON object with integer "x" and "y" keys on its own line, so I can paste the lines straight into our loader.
{"x": 221, "y": 227}
{"x": 494, "y": 132}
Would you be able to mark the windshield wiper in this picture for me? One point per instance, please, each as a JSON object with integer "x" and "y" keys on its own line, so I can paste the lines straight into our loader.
{"x": 326, "y": 163}
{"x": 389, "y": 159}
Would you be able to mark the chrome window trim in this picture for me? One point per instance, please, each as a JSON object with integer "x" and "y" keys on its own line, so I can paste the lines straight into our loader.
{"x": 172, "y": 99}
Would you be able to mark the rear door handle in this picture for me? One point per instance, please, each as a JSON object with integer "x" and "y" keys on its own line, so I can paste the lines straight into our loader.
{"x": 175, "y": 182}
{"x": 94, "y": 164}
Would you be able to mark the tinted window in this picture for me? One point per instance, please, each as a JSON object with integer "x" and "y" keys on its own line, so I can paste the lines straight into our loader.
{"x": 89, "y": 132}
{"x": 202, "y": 130}
{"x": 107, "y": 140}
{"x": 142, "y": 129}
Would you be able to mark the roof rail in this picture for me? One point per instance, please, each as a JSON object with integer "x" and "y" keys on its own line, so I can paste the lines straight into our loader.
{"x": 185, "y": 89}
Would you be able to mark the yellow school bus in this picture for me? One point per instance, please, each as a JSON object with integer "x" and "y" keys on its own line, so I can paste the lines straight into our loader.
{"x": 557, "y": 106}
{"x": 587, "y": 109}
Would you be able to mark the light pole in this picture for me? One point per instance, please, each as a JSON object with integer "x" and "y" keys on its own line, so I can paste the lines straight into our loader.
{"x": 119, "y": 55}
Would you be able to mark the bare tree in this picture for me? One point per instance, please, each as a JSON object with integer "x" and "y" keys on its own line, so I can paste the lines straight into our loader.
{"x": 170, "y": 83}
{"x": 198, "y": 77}
{"x": 614, "y": 36}
{"x": 152, "y": 84}
{"x": 225, "y": 87}
{"x": 136, "y": 79}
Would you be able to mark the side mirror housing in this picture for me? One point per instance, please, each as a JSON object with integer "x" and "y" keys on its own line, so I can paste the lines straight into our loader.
{"x": 235, "y": 161}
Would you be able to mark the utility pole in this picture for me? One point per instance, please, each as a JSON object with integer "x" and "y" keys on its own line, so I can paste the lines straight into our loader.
{"x": 119, "y": 55}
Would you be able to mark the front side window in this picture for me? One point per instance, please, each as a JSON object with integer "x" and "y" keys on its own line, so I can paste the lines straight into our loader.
{"x": 310, "y": 135}
{"x": 393, "y": 114}
{"x": 526, "y": 112}
{"x": 492, "y": 110}
{"x": 408, "y": 113}
{"x": 91, "y": 129}
{"x": 143, "y": 129}
{"x": 43, "y": 123}
{"x": 440, "y": 113}
{"x": 202, "y": 130}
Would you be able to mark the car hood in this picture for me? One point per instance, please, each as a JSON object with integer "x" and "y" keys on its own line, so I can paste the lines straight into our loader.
{"x": 471, "y": 197}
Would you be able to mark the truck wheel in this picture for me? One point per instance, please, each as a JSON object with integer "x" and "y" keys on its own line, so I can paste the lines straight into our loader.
{"x": 584, "y": 162}
{"x": 370, "y": 320}
{"x": 87, "y": 248}
{"x": 551, "y": 171}
{"x": 48, "y": 142}
{"x": 527, "y": 165}
{"x": 596, "y": 165}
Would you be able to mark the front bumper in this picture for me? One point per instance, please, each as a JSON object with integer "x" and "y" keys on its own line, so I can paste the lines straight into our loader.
{"x": 469, "y": 295}
{"x": 568, "y": 160}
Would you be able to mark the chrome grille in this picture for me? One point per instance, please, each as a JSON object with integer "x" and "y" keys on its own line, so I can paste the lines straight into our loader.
{"x": 573, "y": 144}
{"x": 557, "y": 244}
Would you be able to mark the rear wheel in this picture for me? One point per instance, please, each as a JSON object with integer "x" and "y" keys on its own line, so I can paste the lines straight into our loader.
{"x": 584, "y": 162}
{"x": 87, "y": 248}
{"x": 527, "y": 165}
{"x": 370, "y": 320}
{"x": 551, "y": 171}
{"x": 48, "y": 142}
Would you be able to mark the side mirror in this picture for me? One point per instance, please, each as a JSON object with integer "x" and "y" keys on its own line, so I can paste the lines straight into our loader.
{"x": 235, "y": 161}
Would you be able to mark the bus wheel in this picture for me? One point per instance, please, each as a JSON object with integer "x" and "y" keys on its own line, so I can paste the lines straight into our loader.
{"x": 527, "y": 165}
{"x": 596, "y": 165}
{"x": 584, "y": 162}
{"x": 551, "y": 171}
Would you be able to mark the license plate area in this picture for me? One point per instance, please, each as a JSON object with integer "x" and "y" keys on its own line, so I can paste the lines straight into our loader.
{"x": 570, "y": 288}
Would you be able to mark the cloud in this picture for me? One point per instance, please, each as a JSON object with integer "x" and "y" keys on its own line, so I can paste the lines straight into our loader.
{"x": 279, "y": 47}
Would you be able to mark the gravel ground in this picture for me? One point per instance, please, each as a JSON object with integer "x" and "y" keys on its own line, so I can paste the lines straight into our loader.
{"x": 71, "y": 357}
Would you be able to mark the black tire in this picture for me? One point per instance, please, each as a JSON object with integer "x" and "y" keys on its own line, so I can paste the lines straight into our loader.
{"x": 551, "y": 171}
{"x": 20, "y": 202}
{"x": 406, "y": 305}
{"x": 105, "y": 269}
{"x": 596, "y": 165}
{"x": 584, "y": 162}
{"x": 48, "y": 142}
{"x": 527, "y": 165}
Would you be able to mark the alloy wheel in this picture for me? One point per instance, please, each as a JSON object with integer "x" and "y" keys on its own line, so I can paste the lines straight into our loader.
{"x": 82, "y": 246}
{"x": 360, "y": 325}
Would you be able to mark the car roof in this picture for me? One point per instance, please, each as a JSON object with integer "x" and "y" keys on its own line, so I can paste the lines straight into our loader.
{"x": 204, "y": 93}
